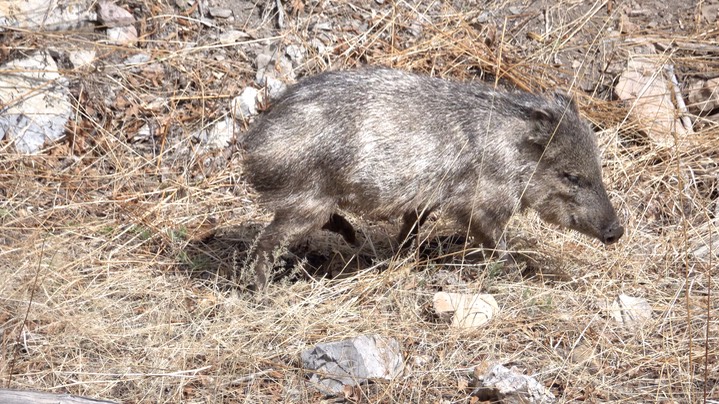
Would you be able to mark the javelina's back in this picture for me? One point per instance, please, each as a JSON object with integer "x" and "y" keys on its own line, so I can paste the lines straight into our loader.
{"x": 381, "y": 141}
{"x": 387, "y": 143}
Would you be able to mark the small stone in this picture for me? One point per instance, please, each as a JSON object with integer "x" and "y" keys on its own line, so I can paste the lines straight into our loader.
{"x": 145, "y": 132}
{"x": 275, "y": 87}
{"x": 137, "y": 59}
{"x": 626, "y": 26}
{"x": 156, "y": 104}
{"x": 219, "y": 12}
{"x": 703, "y": 96}
{"x": 483, "y": 17}
{"x": 39, "y": 15}
{"x": 322, "y": 26}
{"x": 232, "y": 36}
{"x": 273, "y": 71}
{"x": 319, "y": 45}
{"x": 183, "y": 4}
{"x": 415, "y": 28}
{"x": 643, "y": 86}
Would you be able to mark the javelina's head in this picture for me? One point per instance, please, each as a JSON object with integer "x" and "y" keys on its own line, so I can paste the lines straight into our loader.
{"x": 566, "y": 188}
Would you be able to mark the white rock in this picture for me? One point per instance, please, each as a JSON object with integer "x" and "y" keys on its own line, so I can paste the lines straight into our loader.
{"x": 321, "y": 48}
{"x": 510, "y": 386}
{"x": 122, "y": 35}
{"x": 321, "y": 26}
{"x": 707, "y": 250}
{"x": 275, "y": 87}
{"x": 46, "y": 14}
{"x": 183, "y": 4}
{"x": 232, "y": 36}
{"x": 470, "y": 311}
{"x": 82, "y": 58}
{"x": 644, "y": 86}
{"x": 144, "y": 133}
{"x": 218, "y": 136}
{"x": 36, "y": 100}
{"x": 270, "y": 63}
{"x": 631, "y": 312}
{"x": 245, "y": 105}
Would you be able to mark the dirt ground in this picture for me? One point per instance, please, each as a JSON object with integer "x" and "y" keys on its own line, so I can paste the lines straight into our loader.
{"x": 123, "y": 271}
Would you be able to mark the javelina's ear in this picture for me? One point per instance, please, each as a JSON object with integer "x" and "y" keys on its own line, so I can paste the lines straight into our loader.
{"x": 544, "y": 123}
{"x": 565, "y": 99}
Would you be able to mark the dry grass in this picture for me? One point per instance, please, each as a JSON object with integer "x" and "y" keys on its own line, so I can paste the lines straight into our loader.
{"x": 117, "y": 255}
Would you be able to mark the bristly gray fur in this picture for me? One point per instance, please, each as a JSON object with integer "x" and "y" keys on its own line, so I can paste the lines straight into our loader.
{"x": 387, "y": 143}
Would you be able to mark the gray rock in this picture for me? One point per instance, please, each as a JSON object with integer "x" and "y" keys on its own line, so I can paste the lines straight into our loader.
{"x": 353, "y": 361}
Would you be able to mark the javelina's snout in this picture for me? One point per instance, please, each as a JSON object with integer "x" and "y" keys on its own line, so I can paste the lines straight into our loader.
{"x": 612, "y": 233}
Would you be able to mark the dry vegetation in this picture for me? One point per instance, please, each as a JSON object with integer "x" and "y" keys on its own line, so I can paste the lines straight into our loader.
{"x": 122, "y": 259}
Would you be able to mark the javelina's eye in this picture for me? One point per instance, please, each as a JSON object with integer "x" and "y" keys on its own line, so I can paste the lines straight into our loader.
{"x": 572, "y": 179}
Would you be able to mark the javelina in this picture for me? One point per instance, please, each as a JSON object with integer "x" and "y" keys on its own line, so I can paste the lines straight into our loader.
{"x": 387, "y": 143}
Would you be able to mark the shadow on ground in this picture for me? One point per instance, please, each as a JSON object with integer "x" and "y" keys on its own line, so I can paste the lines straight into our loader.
{"x": 221, "y": 257}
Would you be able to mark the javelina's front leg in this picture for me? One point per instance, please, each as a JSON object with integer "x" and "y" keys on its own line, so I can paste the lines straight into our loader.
{"x": 483, "y": 226}
{"x": 411, "y": 221}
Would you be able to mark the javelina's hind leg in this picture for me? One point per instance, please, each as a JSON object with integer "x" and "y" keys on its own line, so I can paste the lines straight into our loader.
{"x": 411, "y": 221}
{"x": 340, "y": 225}
{"x": 288, "y": 226}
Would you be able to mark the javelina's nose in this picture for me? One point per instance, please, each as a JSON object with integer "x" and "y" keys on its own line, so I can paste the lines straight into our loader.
{"x": 613, "y": 233}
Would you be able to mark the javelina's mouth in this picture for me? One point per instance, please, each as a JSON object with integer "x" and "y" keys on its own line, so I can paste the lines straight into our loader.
{"x": 589, "y": 231}
{"x": 613, "y": 233}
